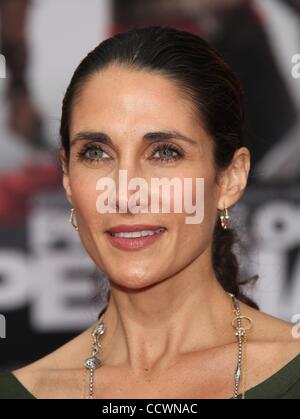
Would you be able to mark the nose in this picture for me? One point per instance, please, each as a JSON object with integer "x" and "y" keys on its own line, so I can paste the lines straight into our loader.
{"x": 131, "y": 187}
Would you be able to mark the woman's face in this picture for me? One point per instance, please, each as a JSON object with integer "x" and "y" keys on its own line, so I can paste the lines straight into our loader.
{"x": 126, "y": 105}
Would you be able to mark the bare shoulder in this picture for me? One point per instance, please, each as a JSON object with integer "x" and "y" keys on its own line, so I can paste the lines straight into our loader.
{"x": 281, "y": 337}
{"x": 43, "y": 377}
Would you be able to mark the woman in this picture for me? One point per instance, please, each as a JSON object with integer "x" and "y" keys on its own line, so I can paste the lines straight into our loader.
{"x": 157, "y": 102}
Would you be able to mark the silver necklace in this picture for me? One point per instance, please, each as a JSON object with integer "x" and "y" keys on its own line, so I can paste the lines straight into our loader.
{"x": 93, "y": 362}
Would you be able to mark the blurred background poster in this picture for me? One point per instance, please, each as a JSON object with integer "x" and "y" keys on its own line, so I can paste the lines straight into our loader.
{"x": 49, "y": 289}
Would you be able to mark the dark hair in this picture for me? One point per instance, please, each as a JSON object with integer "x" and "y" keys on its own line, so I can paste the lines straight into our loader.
{"x": 205, "y": 80}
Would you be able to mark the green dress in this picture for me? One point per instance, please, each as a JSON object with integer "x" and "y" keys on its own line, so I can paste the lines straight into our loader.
{"x": 284, "y": 384}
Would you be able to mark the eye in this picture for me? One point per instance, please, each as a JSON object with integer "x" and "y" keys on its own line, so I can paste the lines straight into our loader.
{"x": 167, "y": 152}
{"x": 92, "y": 153}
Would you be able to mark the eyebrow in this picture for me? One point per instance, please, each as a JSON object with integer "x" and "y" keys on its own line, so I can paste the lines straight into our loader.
{"x": 155, "y": 136}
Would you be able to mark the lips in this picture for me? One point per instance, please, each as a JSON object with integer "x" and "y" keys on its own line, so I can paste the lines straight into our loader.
{"x": 127, "y": 228}
{"x": 134, "y": 243}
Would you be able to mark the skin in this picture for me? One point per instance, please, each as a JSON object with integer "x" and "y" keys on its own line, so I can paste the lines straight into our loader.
{"x": 168, "y": 320}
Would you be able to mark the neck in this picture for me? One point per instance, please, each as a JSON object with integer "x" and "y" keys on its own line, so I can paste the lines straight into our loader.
{"x": 185, "y": 313}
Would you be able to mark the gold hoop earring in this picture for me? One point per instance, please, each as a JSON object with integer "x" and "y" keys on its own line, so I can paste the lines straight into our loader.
{"x": 224, "y": 218}
{"x": 71, "y": 219}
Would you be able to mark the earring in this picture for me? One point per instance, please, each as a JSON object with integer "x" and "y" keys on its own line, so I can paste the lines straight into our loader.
{"x": 224, "y": 218}
{"x": 71, "y": 219}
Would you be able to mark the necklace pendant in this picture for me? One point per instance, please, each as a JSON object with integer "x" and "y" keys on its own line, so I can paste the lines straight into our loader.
{"x": 92, "y": 363}
{"x": 237, "y": 374}
{"x": 240, "y": 333}
{"x": 99, "y": 330}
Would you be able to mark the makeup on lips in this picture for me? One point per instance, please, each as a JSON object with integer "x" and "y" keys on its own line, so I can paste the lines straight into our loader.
{"x": 134, "y": 236}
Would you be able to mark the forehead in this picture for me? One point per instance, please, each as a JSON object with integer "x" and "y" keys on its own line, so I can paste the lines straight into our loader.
{"x": 121, "y": 99}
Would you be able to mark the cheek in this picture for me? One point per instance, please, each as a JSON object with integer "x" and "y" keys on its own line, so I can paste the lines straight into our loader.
{"x": 84, "y": 194}
{"x": 202, "y": 196}
{"x": 197, "y": 235}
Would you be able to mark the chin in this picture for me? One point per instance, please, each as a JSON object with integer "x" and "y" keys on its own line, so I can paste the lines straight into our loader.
{"x": 133, "y": 282}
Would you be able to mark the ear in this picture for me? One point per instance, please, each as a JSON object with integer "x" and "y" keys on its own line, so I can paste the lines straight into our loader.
{"x": 66, "y": 178}
{"x": 233, "y": 180}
